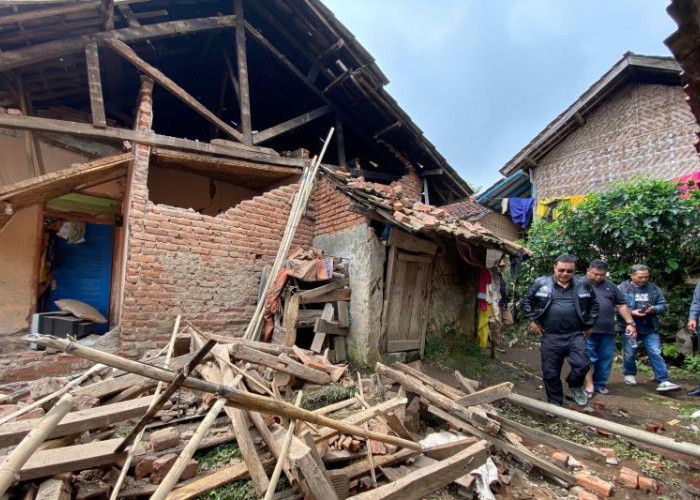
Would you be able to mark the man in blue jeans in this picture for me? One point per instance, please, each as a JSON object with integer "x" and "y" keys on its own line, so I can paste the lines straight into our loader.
{"x": 601, "y": 343}
{"x": 693, "y": 324}
{"x": 645, "y": 301}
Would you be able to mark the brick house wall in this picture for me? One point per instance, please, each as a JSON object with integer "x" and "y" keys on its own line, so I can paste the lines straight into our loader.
{"x": 642, "y": 131}
{"x": 501, "y": 226}
{"x": 411, "y": 184}
{"x": 331, "y": 209}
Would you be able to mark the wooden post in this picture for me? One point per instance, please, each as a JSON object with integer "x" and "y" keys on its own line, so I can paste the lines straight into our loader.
{"x": 244, "y": 104}
{"x": 97, "y": 105}
{"x": 340, "y": 140}
{"x": 9, "y": 469}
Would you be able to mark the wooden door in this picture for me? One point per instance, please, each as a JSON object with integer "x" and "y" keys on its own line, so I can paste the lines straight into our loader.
{"x": 408, "y": 299}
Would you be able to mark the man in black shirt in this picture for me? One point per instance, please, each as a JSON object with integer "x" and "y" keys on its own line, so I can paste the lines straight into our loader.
{"x": 601, "y": 343}
{"x": 562, "y": 309}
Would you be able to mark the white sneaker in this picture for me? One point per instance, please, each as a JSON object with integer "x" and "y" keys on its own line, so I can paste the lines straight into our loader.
{"x": 630, "y": 380}
{"x": 667, "y": 386}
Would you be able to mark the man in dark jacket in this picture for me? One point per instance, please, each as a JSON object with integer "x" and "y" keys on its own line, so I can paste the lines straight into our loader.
{"x": 562, "y": 310}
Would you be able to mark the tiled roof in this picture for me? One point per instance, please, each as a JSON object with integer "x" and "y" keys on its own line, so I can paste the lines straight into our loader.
{"x": 465, "y": 209}
{"x": 392, "y": 205}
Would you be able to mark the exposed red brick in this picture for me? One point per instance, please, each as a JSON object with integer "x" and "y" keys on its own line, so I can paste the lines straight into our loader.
{"x": 144, "y": 467}
{"x": 648, "y": 484}
{"x": 161, "y": 466}
{"x": 164, "y": 439}
{"x": 594, "y": 484}
{"x": 560, "y": 458}
{"x": 628, "y": 478}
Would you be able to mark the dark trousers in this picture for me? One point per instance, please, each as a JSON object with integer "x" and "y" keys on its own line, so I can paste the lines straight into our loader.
{"x": 557, "y": 347}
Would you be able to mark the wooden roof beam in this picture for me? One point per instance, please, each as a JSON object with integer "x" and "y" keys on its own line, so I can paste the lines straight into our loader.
{"x": 33, "y": 15}
{"x": 281, "y": 128}
{"x": 51, "y": 50}
{"x": 235, "y": 150}
{"x": 97, "y": 105}
{"x": 127, "y": 53}
{"x": 242, "y": 62}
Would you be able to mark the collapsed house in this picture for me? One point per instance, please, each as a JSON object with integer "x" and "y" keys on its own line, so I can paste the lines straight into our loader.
{"x": 172, "y": 138}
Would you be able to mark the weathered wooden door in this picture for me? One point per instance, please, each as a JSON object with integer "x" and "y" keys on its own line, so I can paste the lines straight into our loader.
{"x": 408, "y": 298}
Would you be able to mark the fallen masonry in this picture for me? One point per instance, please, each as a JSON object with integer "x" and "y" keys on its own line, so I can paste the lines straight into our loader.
{"x": 397, "y": 433}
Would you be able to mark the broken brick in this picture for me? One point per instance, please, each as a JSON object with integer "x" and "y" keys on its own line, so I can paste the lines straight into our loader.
{"x": 654, "y": 426}
{"x": 560, "y": 458}
{"x": 420, "y": 207}
{"x": 648, "y": 484}
{"x": 594, "y": 484}
{"x": 402, "y": 217}
{"x": 144, "y": 467}
{"x": 608, "y": 452}
{"x": 655, "y": 464}
{"x": 161, "y": 467}
{"x": 164, "y": 439}
{"x": 190, "y": 470}
{"x": 587, "y": 495}
{"x": 628, "y": 478}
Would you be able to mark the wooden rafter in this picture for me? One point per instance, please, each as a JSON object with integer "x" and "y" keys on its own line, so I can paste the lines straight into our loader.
{"x": 57, "y": 48}
{"x": 97, "y": 105}
{"x": 242, "y": 60}
{"x": 107, "y": 8}
{"x": 128, "y": 14}
{"x": 235, "y": 150}
{"x": 127, "y": 53}
{"x": 53, "y": 11}
{"x": 283, "y": 127}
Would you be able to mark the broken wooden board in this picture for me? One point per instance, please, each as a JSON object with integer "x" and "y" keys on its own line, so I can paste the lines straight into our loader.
{"x": 433, "y": 477}
{"x": 78, "y": 421}
{"x": 336, "y": 295}
{"x": 362, "y": 416}
{"x": 240, "y": 351}
{"x": 488, "y": 395}
{"x": 309, "y": 295}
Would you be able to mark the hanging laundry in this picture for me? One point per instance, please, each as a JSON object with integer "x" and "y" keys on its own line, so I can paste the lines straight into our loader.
{"x": 543, "y": 209}
{"x": 73, "y": 231}
{"x": 521, "y": 211}
{"x": 504, "y": 205}
{"x": 482, "y": 291}
{"x": 483, "y": 326}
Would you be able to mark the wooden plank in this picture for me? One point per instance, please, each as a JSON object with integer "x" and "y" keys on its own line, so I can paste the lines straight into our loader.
{"x": 541, "y": 437}
{"x": 488, "y": 395}
{"x": 33, "y": 15}
{"x": 518, "y": 452}
{"x": 82, "y": 456}
{"x": 55, "y": 488}
{"x": 406, "y": 241}
{"x": 339, "y": 348}
{"x": 235, "y": 150}
{"x": 336, "y": 295}
{"x": 433, "y": 477}
{"x": 322, "y": 290}
{"x": 97, "y": 105}
{"x": 317, "y": 344}
{"x": 407, "y": 300}
{"x": 236, "y": 471}
{"x": 447, "y": 390}
{"x": 425, "y": 315}
{"x": 445, "y": 450}
{"x": 363, "y": 416}
{"x": 361, "y": 468}
{"x": 291, "y": 312}
{"x": 242, "y": 62}
{"x": 55, "y": 49}
{"x": 128, "y": 53}
{"x": 403, "y": 345}
{"x": 407, "y": 257}
{"x": 343, "y": 314}
{"x": 281, "y": 128}
{"x": 77, "y": 422}
{"x": 394, "y": 301}
{"x": 240, "y": 351}
{"x": 329, "y": 327}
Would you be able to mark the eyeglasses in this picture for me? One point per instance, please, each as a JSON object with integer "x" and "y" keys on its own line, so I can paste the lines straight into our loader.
{"x": 565, "y": 271}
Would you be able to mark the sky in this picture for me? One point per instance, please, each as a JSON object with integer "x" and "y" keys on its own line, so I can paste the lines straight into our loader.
{"x": 482, "y": 78}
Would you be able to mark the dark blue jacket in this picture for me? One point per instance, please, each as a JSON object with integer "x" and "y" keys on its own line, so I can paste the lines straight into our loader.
{"x": 539, "y": 297}
{"x": 656, "y": 299}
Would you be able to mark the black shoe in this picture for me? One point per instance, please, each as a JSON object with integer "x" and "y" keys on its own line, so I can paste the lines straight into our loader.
{"x": 694, "y": 392}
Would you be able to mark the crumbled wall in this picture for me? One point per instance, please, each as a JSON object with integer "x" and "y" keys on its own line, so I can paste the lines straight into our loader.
{"x": 331, "y": 210}
{"x": 367, "y": 259}
{"x": 411, "y": 185}
{"x": 643, "y": 131}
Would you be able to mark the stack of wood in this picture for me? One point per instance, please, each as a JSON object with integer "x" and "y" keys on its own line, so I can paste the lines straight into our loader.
{"x": 92, "y": 440}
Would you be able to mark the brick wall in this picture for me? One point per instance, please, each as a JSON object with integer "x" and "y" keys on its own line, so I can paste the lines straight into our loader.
{"x": 411, "y": 184}
{"x": 501, "y": 226}
{"x": 642, "y": 131}
{"x": 331, "y": 209}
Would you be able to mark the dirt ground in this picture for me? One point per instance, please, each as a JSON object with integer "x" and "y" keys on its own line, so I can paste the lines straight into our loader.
{"x": 637, "y": 406}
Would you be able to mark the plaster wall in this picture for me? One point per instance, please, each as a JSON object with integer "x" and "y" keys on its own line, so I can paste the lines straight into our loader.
{"x": 367, "y": 258}
{"x": 453, "y": 292}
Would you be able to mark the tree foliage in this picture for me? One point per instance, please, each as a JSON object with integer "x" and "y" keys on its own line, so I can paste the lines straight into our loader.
{"x": 647, "y": 222}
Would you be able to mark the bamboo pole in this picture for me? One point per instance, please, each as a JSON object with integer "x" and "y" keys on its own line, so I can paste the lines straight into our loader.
{"x": 10, "y": 467}
{"x": 685, "y": 448}
{"x": 137, "y": 439}
{"x": 295, "y": 214}
{"x": 283, "y": 454}
{"x": 53, "y": 395}
{"x": 235, "y": 397}
{"x": 179, "y": 466}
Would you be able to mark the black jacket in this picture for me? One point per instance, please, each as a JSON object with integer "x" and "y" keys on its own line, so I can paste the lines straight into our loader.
{"x": 539, "y": 297}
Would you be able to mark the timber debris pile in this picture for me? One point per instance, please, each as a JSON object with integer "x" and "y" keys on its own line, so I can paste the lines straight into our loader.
{"x": 126, "y": 429}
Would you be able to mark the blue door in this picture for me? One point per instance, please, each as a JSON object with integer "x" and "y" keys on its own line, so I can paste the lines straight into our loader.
{"x": 84, "y": 270}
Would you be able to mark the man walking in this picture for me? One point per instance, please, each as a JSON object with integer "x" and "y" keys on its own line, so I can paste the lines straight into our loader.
{"x": 562, "y": 310}
{"x": 645, "y": 301}
{"x": 601, "y": 343}
{"x": 693, "y": 324}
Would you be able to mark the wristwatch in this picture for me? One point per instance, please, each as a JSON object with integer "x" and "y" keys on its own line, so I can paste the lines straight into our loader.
{"x": 630, "y": 323}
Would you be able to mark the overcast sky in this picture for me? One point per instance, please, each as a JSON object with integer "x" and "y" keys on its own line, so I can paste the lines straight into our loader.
{"x": 482, "y": 78}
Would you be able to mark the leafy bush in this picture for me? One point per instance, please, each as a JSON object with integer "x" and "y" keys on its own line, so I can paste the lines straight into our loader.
{"x": 646, "y": 222}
